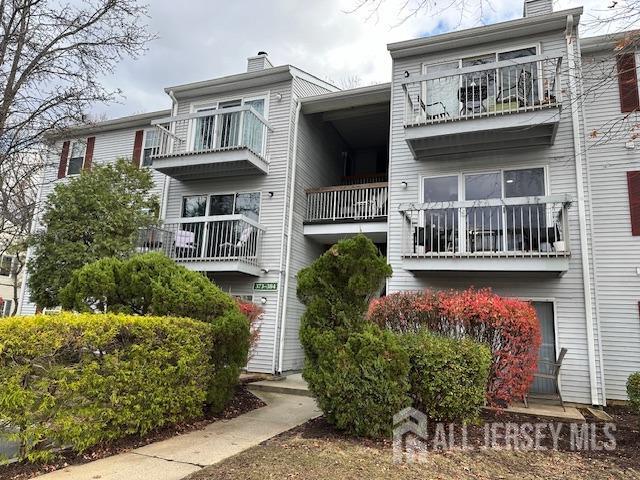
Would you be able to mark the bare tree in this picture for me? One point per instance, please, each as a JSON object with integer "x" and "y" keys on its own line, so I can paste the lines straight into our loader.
{"x": 53, "y": 55}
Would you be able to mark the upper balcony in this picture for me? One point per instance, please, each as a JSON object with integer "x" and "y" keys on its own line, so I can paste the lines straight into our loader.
{"x": 513, "y": 103}
{"x": 524, "y": 234}
{"x": 220, "y": 243}
{"x": 212, "y": 143}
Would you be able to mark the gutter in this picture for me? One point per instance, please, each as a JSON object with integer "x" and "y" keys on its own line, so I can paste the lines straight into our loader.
{"x": 287, "y": 269}
{"x": 167, "y": 179}
{"x": 582, "y": 219}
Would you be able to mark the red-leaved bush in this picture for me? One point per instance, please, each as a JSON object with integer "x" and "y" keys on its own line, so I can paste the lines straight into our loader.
{"x": 253, "y": 313}
{"x": 510, "y": 327}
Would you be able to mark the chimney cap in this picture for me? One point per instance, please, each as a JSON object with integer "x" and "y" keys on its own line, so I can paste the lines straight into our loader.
{"x": 263, "y": 53}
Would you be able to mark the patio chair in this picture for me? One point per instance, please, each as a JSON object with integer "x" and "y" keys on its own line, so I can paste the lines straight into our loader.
{"x": 554, "y": 368}
{"x": 438, "y": 116}
{"x": 239, "y": 245}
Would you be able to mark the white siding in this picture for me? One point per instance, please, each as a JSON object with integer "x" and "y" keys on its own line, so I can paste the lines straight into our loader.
{"x": 567, "y": 291}
{"x": 617, "y": 252}
{"x": 319, "y": 165}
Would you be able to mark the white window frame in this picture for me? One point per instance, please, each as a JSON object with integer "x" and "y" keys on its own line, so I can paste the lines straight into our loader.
{"x": 145, "y": 135}
{"x": 7, "y": 307}
{"x": 462, "y": 227}
{"x": 494, "y": 52}
{"x": 84, "y": 156}
{"x": 208, "y": 196}
{"x": 2, "y": 260}
{"x": 199, "y": 106}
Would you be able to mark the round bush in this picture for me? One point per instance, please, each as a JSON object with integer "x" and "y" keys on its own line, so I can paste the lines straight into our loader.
{"x": 81, "y": 379}
{"x": 509, "y": 327}
{"x": 633, "y": 391}
{"x": 153, "y": 284}
{"x": 448, "y": 377}
{"x": 361, "y": 383}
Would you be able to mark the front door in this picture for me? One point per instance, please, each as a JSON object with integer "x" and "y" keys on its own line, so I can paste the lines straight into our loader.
{"x": 547, "y": 348}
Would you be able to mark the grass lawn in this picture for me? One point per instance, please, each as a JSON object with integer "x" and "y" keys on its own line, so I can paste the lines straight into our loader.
{"x": 316, "y": 451}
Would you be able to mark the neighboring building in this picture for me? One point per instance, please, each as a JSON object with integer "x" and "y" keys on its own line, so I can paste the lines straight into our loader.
{"x": 476, "y": 166}
{"x": 8, "y": 284}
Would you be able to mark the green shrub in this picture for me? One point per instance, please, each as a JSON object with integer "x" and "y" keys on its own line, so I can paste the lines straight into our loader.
{"x": 361, "y": 383}
{"x": 633, "y": 391}
{"x": 153, "y": 284}
{"x": 448, "y": 377}
{"x": 78, "y": 380}
{"x": 356, "y": 371}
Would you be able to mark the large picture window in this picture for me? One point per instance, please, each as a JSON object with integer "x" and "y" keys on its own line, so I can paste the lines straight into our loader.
{"x": 485, "y": 227}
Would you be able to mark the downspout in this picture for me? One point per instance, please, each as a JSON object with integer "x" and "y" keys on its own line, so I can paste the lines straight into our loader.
{"x": 287, "y": 269}
{"x": 582, "y": 219}
{"x": 592, "y": 233}
{"x": 167, "y": 179}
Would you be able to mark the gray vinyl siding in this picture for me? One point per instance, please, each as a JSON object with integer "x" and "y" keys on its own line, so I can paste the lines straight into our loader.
{"x": 566, "y": 291}
{"x": 109, "y": 146}
{"x": 617, "y": 252}
{"x": 318, "y": 159}
{"x": 271, "y": 209}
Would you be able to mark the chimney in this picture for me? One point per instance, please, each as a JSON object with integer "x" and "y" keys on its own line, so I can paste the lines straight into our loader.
{"x": 537, "y": 7}
{"x": 259, "y": 62}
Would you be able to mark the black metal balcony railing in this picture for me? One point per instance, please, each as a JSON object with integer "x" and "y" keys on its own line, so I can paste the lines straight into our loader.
{"x": 513, "y": 227}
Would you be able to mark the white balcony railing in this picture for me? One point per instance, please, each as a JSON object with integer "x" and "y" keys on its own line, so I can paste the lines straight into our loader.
{"x": 347, "y": 202}
{"x": 507, "y": 86}
{"x": 206, "y": 239}
{"x": 513, "y": 227}
{"x": 212, "y": 130}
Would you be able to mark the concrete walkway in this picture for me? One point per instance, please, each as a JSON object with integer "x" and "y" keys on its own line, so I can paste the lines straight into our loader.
{"x": 177, "y": 457}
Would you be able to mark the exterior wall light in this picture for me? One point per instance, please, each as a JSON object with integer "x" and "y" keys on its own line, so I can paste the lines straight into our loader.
{"x": 263, "y": 300}
{"x": 404, "y": 185}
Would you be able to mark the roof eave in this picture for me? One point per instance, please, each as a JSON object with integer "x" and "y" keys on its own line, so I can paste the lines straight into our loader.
{"x": 356, "y": 97}
{"x": 484, "y": 34}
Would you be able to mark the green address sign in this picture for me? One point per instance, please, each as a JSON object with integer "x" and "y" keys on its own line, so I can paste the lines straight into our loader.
{"x": 266, "y": 286}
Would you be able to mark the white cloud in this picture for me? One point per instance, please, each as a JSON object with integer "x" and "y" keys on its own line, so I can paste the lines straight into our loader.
{"x": 202, "y": 39}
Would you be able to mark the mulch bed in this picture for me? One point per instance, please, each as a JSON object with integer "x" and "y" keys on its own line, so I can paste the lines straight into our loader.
{"x": 625, "y": 456}
{"x": 243, "y": 402}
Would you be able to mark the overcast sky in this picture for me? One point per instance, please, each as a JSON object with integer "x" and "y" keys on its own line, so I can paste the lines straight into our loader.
{"x": 201, "y": 39}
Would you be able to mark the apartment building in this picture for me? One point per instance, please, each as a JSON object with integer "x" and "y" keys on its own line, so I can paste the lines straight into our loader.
{"x": 477, "y": 165}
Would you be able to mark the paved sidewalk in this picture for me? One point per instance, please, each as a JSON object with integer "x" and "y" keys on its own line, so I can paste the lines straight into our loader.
{"x": 177, "y": 457}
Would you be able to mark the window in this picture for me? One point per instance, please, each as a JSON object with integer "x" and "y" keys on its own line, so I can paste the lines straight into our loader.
{"x": 221, "y": 204}
{"x": 5, "y": 265}
{"x": 194, "y": 206}
{"x": 528, "y": 182}
{"x": 231, "y": 129}
{"x": 247, "y": 204}
{"x": 76, "y": 159}
{"x": 7, "y": 308}
{"x": 441, "y": 189}
{"x": 151, "y": 146}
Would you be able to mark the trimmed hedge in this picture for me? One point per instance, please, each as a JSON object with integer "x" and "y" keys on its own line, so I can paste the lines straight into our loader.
{"x": 153, "y": 284}
{"x": 448, "y": 377}
{"x": 508, "y": 326}
{"x": 633, "y": 391}
{"x": 77, "y": 380}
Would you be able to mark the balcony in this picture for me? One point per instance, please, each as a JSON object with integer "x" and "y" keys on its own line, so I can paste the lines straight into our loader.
{"x": 223, "y": 243}
{"x": 493, "y": 106}
{"x": 344, "y": 210}
{"x": 525, "y": 234}
{"x": 212, "y": 143}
